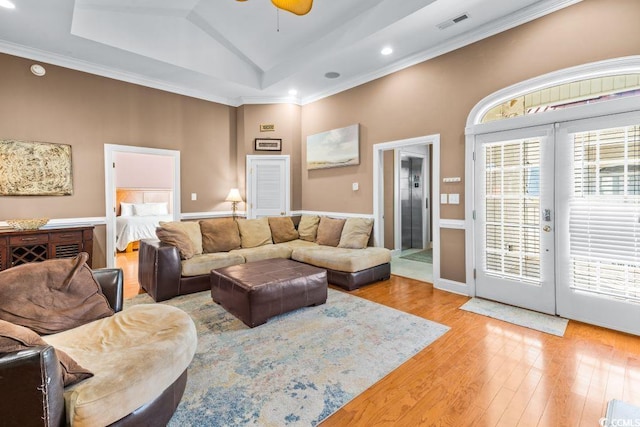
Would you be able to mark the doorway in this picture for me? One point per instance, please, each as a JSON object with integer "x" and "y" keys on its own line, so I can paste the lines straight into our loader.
{"x": 413, "y": 180}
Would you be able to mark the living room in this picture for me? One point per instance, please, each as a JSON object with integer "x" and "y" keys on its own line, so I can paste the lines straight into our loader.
{"x": 435, "y": 96}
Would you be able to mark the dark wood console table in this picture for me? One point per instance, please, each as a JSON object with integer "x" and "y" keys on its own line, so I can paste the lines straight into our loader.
{"x": 24, "y": 246}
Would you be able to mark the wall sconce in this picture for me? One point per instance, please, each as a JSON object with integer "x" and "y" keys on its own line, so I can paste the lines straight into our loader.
{"x": 235, "y": 198}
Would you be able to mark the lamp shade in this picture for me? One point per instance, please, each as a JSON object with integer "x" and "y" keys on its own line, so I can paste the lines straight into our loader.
{"x": 299, "y": 7}
{"x": 234, "y": 196}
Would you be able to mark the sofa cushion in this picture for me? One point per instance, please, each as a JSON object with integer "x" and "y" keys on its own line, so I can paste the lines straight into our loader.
{"x": 52, "y": 296}
{"x": 282, "y": 229}
{"x": 219, "y": 235}
{"x": 16, "y": 338}
{"x": 329, "y": 231}
{"x": 297, "y": 244}
{"x": 356, "y": 232}
{"x": 342, "y": 259}
{"x": 177, "y": 238}
{"x": 177, "y": 230}
{"x": 134, "y": 355}
{"x": 254, "y": 232}
{"x": 203, "y": 264}
{"x": 264, "y": 252}
{"x": 308, "y": 227}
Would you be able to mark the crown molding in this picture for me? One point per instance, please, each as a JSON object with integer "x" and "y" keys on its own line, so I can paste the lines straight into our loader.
{"x": 99, "y": 70}
{"x": 250, "y": 100}
{"x": 508, "y": 22}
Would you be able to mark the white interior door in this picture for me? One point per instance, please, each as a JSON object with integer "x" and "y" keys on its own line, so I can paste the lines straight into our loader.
{"x": 268, "y": 186}
{"x": 599, "y": 221}
{"x": 514, "y": 196}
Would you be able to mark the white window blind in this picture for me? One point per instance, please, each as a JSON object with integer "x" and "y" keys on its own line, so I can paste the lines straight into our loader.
{"x": 604, "y": 223}
{"x": 512, "y": 209}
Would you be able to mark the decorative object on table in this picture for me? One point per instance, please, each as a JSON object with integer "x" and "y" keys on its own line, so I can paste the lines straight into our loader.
{"x": 35, "y": 169}
{"x": 268, "y": 144}
{"x": 334, "y": 148}
{"x": 27, "y": 224}
{"x": 299, "y": 367}
{"x": 235, "y": 198}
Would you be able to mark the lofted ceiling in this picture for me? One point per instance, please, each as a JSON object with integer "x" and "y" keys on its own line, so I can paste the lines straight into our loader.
{"x": 250, "y": 52}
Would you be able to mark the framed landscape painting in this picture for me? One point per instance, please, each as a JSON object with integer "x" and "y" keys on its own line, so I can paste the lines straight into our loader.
{"x": 35, "y": 169}
{"x": 334, "y": 148}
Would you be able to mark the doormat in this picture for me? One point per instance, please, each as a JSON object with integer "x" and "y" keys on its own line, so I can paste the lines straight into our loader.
{"x": 620, "y": 413}
{"x": 518, "y": 316}
{"x": 425, "y": 256}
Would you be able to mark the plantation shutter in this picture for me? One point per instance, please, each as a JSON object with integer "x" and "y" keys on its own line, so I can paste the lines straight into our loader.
{"x": 604, "y": 211}
{"x": 269, "y": 186}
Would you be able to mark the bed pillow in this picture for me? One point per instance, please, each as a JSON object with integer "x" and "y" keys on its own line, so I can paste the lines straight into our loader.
{"x": 308, "y": 227}
{"x": 150, "y": 209}
{"x": 282, "y": 229}
{"x": 52, "y": 296}
{"x": 356, "y": 232}
{"x": 254, "y": 232}
{"x": 219, "y": 235}
{"x": 329, "y": 231}
{"x": 190, "y": 228}
{"x": 17, "y": 338}
{"x": 126, "y": 209}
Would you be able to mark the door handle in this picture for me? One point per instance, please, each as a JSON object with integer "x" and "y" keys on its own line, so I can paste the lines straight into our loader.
{"x": 546, "y": 228}
{"x": 547, "y": 215}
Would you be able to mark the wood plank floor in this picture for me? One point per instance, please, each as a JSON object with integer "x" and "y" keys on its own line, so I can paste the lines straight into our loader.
{"x": 485, "y": 372}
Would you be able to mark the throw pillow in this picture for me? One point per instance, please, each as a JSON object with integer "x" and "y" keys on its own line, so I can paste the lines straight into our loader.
{"x": 16, "y": 338}
{"x": 282, "y": 229}
{"x": 329, "y": 231}
{"x": 126, "y": 209}
{"x": 254, "y": 232}
{"x": 308, "y": 227}
{"x": 190, "y": 228}
{"x": 219, "y": 235}
{"x": 52, "y": 296}
{"x": 356, "y": 232}
{"x": 177, "y": 238}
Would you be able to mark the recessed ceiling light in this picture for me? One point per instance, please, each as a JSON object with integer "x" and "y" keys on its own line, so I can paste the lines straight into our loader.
{"x": 293, "y": 92}
{"x": 7, "y": 4}
{"x": 332, "y": 75}
{"x": 386, "y": 51}
{"x": 38, "y": 69}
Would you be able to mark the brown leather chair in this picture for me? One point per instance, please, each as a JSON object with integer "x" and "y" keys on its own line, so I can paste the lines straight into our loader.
{"x": 31, "y": 392}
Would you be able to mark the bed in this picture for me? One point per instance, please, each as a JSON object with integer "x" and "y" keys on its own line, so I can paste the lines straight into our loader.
{"x": 139, "y": 212}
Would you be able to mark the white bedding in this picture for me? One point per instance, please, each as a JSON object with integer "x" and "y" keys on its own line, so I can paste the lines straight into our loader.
{"x": 132, "y": 228}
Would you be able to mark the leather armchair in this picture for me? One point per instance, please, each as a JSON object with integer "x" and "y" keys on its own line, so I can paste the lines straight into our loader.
{"x": 31, "y": 389}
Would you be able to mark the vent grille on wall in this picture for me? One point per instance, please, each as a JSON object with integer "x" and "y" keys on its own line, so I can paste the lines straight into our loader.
{"x": 453, "y": 21}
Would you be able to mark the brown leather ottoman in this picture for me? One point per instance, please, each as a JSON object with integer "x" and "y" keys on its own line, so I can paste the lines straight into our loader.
{"x": 256, "y": 291}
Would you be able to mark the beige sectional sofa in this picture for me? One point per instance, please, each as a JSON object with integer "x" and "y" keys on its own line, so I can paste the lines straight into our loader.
{"x": 180, "y": 260}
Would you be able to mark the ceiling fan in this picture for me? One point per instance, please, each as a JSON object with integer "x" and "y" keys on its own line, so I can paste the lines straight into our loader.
{"x": 298, "y": 7}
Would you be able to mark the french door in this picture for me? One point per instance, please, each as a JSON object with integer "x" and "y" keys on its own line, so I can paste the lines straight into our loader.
{"x": 515, "y": 218}
{"x": 557, "y": 225}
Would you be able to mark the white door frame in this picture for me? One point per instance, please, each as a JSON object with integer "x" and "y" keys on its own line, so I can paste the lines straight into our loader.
{"x": 626, "y": 65}
{"x": 378, "y": 199}
{"x": 397, "y": 206}
{"x": 110, "y": 189}
{"x": 249, "y": 189}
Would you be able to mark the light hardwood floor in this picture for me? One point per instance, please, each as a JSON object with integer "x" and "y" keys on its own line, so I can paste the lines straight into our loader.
{"x": 485, "y": 372}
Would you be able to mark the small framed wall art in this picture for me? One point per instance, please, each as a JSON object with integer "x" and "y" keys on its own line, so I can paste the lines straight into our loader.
{"x": 268, "y": 144}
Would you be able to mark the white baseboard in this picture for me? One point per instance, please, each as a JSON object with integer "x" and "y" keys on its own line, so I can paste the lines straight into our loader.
{"x": 451, "y": 286}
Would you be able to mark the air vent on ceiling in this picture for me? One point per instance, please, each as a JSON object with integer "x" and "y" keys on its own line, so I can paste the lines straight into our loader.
{"x": 452, "y": 21}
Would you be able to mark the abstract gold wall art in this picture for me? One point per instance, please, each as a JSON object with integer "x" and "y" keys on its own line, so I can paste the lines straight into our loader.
{"x": 35, "y": 169}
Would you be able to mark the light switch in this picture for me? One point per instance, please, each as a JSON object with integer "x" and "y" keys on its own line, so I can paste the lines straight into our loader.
{"x": 355, "y": 186}
{"x": 194, "y": 196}
{"x": 454, "y": 199}
{"x": 443, "y": 199}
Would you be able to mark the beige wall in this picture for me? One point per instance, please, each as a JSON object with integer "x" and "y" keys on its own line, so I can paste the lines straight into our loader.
{"x": 286, "y": 118}
{"x": 87, "y": 112}
{"x": 436, "y": 96}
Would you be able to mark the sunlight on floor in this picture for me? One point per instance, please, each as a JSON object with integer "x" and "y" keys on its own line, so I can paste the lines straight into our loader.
{"x": 411, "y": 269}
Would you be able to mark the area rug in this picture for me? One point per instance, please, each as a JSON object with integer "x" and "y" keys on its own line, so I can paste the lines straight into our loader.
{"x": 299, "y": 367}
{"x": 425, "y": 256}
{"x": 518, "y": 316}
{"x": 620, "y": 413}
